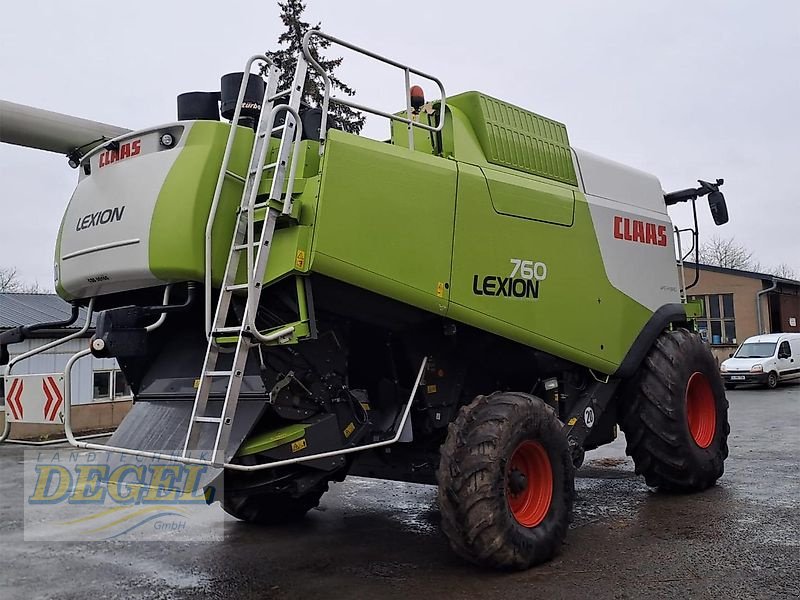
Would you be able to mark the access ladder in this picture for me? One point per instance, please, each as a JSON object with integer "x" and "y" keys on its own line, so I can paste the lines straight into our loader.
{"x": 226, "y": 328}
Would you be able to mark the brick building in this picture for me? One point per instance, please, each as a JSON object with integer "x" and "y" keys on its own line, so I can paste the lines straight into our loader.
{"x": 740, "y": 304}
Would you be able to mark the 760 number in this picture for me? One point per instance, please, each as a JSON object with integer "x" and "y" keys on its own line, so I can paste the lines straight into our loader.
{"x": 528, "y": 269}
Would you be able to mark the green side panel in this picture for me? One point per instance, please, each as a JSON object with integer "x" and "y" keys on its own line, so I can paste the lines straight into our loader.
{"x": 177, "y": 231}
{"x": 308, "y": 164}
{"x": 528, "y": 198}
{"x": 423, "y": 139}
{"x": 694, "y": 308}
{"x": 517, "y": 138}
{"x": 572, "y": 312}
{"x": 385, "y": 220}
{"x": 284, "y": 257}
{"x": 272, "y": 439}
{"x": 460, "y": 141}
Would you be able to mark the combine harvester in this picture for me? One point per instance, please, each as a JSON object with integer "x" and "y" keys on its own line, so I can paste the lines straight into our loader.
{"x": 472, "y": 303}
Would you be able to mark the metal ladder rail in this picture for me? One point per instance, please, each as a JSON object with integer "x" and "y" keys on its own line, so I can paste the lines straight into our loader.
{"x": 244, "y": 224}
{"x": 256, "y": 267}
{"x": 290, "y": 138}
{"x": 250, "y": 193}
{"x": 292, "y": 131}
{"x": 256, "y": 168}
{"x": 271, "y": 76}
{"x": 408, "y": 119}
{"x": 291, "y": 135}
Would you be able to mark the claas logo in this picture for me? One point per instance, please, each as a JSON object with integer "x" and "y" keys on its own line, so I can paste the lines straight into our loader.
{"x": 125, "y": 150}
{"x": 634, "y": 230}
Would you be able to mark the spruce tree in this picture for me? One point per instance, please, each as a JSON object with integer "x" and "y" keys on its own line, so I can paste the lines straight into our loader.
{"x": 291, "y": 46}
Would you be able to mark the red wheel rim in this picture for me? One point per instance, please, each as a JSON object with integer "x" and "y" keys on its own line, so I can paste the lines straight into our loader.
{"x": 701, "y": 410}
{"x": 529, "y": 484}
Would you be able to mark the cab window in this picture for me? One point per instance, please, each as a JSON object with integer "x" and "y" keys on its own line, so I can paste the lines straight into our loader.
{"x": 784, "y": 351}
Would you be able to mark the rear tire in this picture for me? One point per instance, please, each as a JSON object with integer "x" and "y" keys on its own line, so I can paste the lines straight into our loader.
{"x": 506, "y": 482}
{"x": 272, "y": 509}
{"x": 772, "y": 380}
{"x": 675, "y": 415}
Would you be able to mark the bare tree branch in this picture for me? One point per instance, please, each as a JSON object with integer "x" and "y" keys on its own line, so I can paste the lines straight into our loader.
{"x": 784, "y": 270}
{"x": 10, "y": 282}
{"x": 727, "y": 253}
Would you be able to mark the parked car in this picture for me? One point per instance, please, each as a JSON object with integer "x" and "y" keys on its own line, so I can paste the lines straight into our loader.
{"x": 766, "y": 359}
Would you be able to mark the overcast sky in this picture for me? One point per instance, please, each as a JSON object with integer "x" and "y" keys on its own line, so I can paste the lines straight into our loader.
{"x": 684, "y": 89}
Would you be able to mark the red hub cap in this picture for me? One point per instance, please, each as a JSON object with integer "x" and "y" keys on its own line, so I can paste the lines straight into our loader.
{"x": 701, "y": 410}
{"x": 529, "y": 484}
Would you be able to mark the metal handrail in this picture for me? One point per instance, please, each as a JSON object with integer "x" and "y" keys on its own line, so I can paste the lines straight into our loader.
{"x": 681, "y": 273}
{"x": 39, "y": 350}
{"x": 221, "y": 180}
{"x": 55, "y": 343}
{"x": 408, "y": 120}
{"x": 233, "y": 466}
{"x": 163, "y": 316}
{"x": 275, "y": 193}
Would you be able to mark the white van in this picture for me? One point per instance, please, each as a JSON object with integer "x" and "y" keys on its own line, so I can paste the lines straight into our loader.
{"x": 767, "y": 359}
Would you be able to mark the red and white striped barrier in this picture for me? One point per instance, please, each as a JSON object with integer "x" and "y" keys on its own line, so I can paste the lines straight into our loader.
{"x": 35, "y": 398}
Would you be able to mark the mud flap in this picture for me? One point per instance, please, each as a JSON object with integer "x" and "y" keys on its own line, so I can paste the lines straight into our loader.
{"x": 161, "y": 426}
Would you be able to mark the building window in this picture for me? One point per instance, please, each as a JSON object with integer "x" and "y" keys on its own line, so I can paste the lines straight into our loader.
{"x": 717, "y": 323}
{"x": 121, "y": 387}
{"x": 108, "y": 385}
{"x": 101, "y": 386}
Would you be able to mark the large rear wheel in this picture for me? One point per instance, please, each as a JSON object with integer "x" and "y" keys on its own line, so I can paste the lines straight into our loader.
{"x": 506, "y": 485}
{"x": 675, "y": 415}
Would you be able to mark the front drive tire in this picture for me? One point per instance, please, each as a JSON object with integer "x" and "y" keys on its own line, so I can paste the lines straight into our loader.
{"x": 675, "y": 415}
{"x": 506, "y": 482}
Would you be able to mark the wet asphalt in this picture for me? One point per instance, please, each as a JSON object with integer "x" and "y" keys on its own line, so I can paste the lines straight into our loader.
{"x": 377, "y": 539}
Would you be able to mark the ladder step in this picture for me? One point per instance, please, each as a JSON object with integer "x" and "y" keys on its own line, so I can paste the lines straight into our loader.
{"x": 227, "y": 339}
{"x": 280, "y": 95}
{"x": 275, "y": 130}
{"x": 208, "y": 420}
{"x": 227, "y": 330}
{"x": 240, "y": 247}
{"x": 236, "y": 286}
{"x": 233, "y": 175}
{"x": 264, "y": 168}
{"x": 218, "y": 373}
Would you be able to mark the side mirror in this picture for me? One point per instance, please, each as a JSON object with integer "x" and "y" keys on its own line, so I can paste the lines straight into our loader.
{"x": 730, "y": 355}
{"x": 719, "y": 208}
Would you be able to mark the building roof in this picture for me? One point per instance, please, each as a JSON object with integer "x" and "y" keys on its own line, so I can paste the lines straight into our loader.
{"x": 28, "y": 309}
{"x": 740, "y": 273}
{"x": 771, "y": 337}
